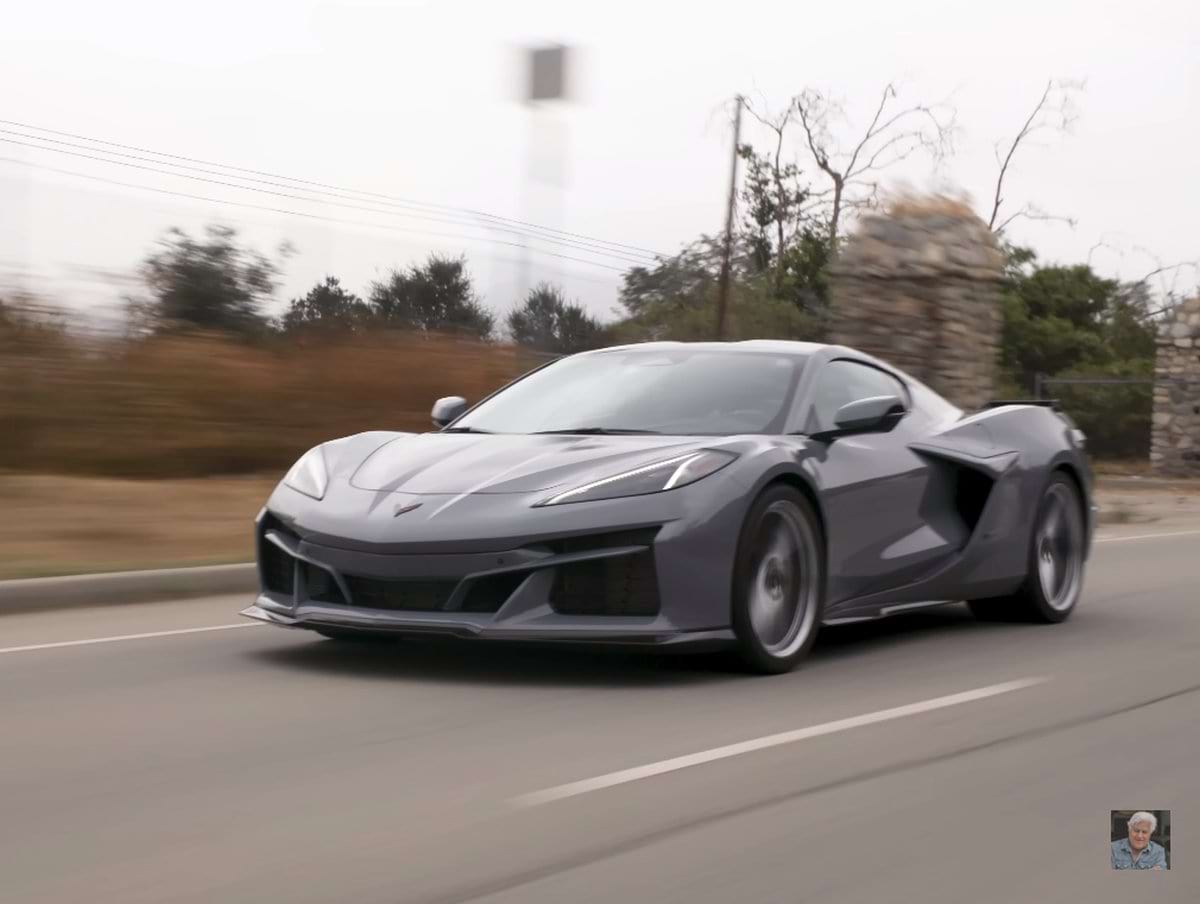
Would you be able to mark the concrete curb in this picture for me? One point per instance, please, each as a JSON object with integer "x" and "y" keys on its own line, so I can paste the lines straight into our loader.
{"x": 76, "y": 591}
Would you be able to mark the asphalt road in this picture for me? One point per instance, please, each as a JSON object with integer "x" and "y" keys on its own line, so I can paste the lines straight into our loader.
{"x": 254, "y": 764}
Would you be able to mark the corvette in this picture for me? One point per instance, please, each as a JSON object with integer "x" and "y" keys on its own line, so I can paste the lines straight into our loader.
{"x": 740, "y": 494}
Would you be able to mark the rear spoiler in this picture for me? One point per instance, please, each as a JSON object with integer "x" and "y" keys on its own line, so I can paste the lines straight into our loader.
{"x": 1041, "y": 403}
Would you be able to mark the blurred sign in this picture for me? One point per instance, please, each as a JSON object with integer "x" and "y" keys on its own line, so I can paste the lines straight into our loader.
{"x": 548, "y": 73}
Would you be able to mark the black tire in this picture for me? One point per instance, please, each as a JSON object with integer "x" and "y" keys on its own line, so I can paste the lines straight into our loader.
{"x": 350, "y": 635}
{"x": 1055, "y": 562}
{"x": 778, "y": 581}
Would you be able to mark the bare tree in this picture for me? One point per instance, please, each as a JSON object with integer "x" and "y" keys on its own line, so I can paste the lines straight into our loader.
{"x": 893, "y": 135}
{"x": 783, "y": 197}
{"x": 776, "y": 194}
{"x": 1054, "y": 112}
{"x": 1162, "y": 283}
{"x": 1169, "y": 293}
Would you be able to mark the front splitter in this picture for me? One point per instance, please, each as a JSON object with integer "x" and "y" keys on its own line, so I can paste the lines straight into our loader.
{"x": 556, "y": 634}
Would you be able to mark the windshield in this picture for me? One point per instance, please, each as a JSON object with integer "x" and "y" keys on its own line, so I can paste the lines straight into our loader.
{"x": 676, "y": 391}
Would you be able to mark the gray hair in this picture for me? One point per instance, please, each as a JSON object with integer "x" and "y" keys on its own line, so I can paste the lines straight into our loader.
{"x": 1143, "y": 816}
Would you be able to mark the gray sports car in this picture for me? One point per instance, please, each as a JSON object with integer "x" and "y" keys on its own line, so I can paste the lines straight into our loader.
{"x": 669, "y": 493}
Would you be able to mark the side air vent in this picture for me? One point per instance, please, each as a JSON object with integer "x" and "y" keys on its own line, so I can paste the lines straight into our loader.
{"x": 971, "y": 492}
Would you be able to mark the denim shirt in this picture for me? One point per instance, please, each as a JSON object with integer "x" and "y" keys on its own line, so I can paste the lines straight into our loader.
{"x": 1152, "y": 857}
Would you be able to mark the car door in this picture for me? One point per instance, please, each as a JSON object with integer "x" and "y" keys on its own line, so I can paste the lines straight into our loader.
{"x": 874, "y": 490}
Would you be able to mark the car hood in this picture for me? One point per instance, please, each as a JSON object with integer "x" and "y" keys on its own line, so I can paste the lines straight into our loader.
{"x": 455, "y": 463}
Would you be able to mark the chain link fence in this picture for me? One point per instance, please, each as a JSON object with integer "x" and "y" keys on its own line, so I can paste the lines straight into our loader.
{"x": 1115, "y": 413}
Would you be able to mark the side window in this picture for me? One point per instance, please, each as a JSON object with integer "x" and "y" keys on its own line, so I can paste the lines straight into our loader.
{"x": 842, "y": 382}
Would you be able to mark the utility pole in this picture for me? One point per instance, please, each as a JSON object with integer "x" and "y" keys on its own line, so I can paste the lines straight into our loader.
{"x": 727, "y": 252}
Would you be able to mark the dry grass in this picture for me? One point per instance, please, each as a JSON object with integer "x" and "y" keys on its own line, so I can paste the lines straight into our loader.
{"x": 75, "y": 525}
{"x": 158, "y": 440}
{"x": 184, "y": 406}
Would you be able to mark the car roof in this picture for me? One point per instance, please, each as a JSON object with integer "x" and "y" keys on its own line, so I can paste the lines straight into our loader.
{"x": 778, "y": 346}
{"x": 825, "y": 350}
{"x": 822, "y": 351}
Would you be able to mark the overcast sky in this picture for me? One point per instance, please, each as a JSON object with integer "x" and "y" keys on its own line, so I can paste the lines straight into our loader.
{"x": 418, "y": 100}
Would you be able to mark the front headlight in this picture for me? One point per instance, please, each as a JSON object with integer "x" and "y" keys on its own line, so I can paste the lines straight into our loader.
{"x": 309, "y": 474}
{"x": 653, "y": 478}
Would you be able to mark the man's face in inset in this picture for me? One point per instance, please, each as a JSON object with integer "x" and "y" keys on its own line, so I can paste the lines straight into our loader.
{"x": 1139, "y": 835}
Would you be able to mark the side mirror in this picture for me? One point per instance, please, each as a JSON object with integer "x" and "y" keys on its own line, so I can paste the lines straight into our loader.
{"x": 864, "y": 415}
{"x": 447, "y": 409}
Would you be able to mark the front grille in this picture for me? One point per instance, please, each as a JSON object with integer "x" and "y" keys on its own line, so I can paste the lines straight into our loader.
{"x": 414, "y": 596}
{"x": 276, "y": 566}
{"x": 623, "y": 585}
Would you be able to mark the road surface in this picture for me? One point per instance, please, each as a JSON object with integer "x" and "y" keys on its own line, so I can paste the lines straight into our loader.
{"x": 925, "y": 758}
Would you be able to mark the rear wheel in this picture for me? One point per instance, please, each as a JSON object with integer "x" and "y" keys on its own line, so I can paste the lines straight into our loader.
{"x": 779, "y": 580}
{"x": 1054, "y": 578}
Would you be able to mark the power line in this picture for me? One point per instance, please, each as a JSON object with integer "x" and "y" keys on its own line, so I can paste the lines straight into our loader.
{"x": 395, "y": 199}
{"x": 383, "y": 211}
{"x": 582, "y": 245}
{"x": 310, "y": 216}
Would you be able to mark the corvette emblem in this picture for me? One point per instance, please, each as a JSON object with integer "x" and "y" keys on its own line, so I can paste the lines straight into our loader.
{"x": 402, "y": 509}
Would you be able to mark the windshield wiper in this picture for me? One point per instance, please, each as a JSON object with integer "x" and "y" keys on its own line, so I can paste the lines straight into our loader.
{"x": 600, "y": 431}
{"x": 464, "y": 430}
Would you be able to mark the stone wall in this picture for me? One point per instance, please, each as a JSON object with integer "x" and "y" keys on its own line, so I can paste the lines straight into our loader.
{"x": 1175, "y": 437}
{"x": 919, "y": 287}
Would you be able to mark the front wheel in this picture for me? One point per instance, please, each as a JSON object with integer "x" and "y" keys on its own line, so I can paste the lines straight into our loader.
{"x": 779, "y": 581}
{"x": 1054, "y": 577}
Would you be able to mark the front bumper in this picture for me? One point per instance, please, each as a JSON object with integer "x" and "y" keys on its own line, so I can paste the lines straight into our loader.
{"x": 632, "y": 571}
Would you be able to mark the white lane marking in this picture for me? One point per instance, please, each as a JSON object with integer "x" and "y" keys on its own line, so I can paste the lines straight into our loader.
{"x": 787, "y": 737}
{"x": 91, "y": 640}
{"x": 1177, "y": 533}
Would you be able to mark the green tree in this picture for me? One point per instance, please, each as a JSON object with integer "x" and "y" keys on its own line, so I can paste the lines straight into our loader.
{"x": 435, "y": 297}
{"x": 773, "y": 196}
{"x": 208, "y": 283}
{"x": 805, "y": 272}
{"x": 781, "y": 234}
{"x": 677, "y": 283}
{"x": 547, "y": 322}
{"x": 1116, "y": 417}
{"x": 677, "y": 300}
{"x": 1069, "y": 322}
{"x": 1058, "y": 318}
{"x": 327, "y": 306}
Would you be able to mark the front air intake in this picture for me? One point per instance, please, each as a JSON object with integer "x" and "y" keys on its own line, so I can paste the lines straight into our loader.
{"x": 320, "y": 586}
{"x": 276, "y": 567}
{"x": 489, "y": 593}
{"x": 620, "y": 585}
